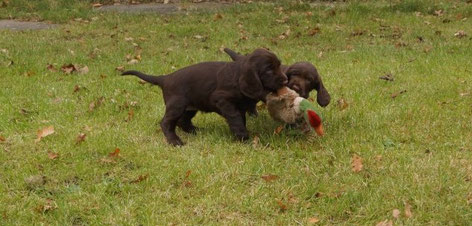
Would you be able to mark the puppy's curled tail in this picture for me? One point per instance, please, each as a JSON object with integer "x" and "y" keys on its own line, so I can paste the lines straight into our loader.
{"x": 156, "y": 80}
{"x": 234, "y": 55}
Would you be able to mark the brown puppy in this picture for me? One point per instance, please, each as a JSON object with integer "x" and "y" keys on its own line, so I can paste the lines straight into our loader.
{"x": 302, "y": 77}
{"x": 227, "y": 88}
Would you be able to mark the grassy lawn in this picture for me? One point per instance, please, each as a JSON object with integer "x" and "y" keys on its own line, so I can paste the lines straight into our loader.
{"x": 413, "y": 135}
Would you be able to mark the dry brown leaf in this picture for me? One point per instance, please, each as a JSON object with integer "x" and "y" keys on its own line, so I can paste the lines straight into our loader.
{"x": 314, "y": 31}
{"x": 140, "y": 178}
{"x": 77, "y": 88}
{"x": 115, "y": 154}
{"x": 396, "y": 213}
{"x": 2, "y": 139}
{"x": 218, "y": 16}
{"x": 83, "y": 70}
{"x": 68, "y": 68}
{"x": 356, "y": 163}
{"x": 96, "y": 5}
{"x": 130, "y": 115}
{"x": 342, "y": 104}
{"x": 279, "y": 129}
{"x": 133, "y": 61}
{"x": 107, "y": 160}
{"x": 52, "y": 155}
{"x": 313, "y": 220}
{"x": 120, "y": 68}
{"x": 96, "y": 103}
{"x": 460, "y": 34}
{"x": 408, "y": 213}
{"x": 269, "y": 177}
{"x": 80, "y": 138}
{"x": 385, "y": 223}
{"x": 44, "y": 132}
{"x": 51, "y": 67}
{"x": 394, "y": 95}
{"x": 255, "y": 141}
{"x": 48, "y": 206}
{"x": 283, "y": 207}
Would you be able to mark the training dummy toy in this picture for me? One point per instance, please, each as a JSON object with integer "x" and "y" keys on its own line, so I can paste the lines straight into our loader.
{"x": 287, "y": 106}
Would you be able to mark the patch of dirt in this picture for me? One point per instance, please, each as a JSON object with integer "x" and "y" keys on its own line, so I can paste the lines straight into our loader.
{"x": 20, "y": 25}
{"x": 164, "y": 8}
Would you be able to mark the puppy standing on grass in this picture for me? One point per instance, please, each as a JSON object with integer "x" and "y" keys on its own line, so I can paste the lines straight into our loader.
{"x": 227, "y": 88}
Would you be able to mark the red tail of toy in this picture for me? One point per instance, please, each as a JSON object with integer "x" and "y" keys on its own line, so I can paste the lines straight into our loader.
{"x": 315, "y": 122}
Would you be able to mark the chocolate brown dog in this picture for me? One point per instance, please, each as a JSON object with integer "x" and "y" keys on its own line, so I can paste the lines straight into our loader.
{"x": 227, "y": 88}
{"x": 302, "y": 77}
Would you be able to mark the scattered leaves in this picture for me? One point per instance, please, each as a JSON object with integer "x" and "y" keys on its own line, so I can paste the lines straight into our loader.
{"x": 356, "y": 163}
{"x": 408, "y": 213}
{"x": 120, "y": 68}
{"x": 313, "y": 220}
{"x": 68, "y": 68}
{"x": 140, "y": 178}
{"x": 387, "y": 77}
{"x": 47, "y": 206}
{"x": 283, "y": 207}
{"x": 80, "y": 138}
{"x": 44, "y": 133}
{"x": 255, "y": 141}
{"x": 96, "y": 103}
{"x": 396, "y": 213}
{"x": 314, "y": 31}
{"x": 51, "y": 68}
{"x": 115, "y": 154}
{"x": 385, "y": 223}
{"x": 269, "y": 177}
{"x": 279, "y": 129}
{"x": 342, "y": 104}
{"x": 394, "y": 95}
{"x": 52, "y": 155}
{"x": 460, "y": 34}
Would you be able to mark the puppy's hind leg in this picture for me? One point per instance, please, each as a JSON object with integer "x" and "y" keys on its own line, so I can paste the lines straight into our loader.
{"x": 185, "y": 122}
{"x": 175, "y": 109}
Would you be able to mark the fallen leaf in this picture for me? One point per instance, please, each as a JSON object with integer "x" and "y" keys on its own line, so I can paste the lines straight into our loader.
{"x": 460, "y": 34}
{"x": 68, "y": 68}
{"x": 140, "y": 178}
{"x": 48, "y": 206}
{"x": 285, "y": 34}
{"x": 313, "y": 220}
{"x": 279, "y": 129}
{"x": 187, "y": 174}
{"x": 396, "y": 213}
{"x": 107, "y": 160}
{"x": 80, "y": 138}
{"x": 357, "y": 33}
{"x": 96, "y": 103}
{"x": 198, "y": 36}
{"x": 2, "y": 139}
{"x": 96, "y": 5}
{"x": 464, "y": 94}
{"x": 130, "y": 115}
{"x": 314, "y": 31}
{"x": 387, "y": 77}
{"x": 129, "y": 39}
{"x": 77, "y": 88}
{"x": 269, "y": 177}
{"x": 120, "y": 68}
{"x": 218, "y": 16}
{"x": 83, "y": 70}
{"x": 52, "y": 155}
{"x": 356, "y": 163}
{"x": 408, "y": 213}
{"x": 438, "y": 12}
{"x": 255, "y": 141}
{"x": 115, "y": 154}
{"x": 342, "y": 104}
{"x": 35, "y": 181}
{"x": 385, "y": 223}
{"x": 282, "y": 206}
{"x": 133, "y": 61}
{"x": 51, "y": 68}
{"x": 10, "y": 62}
{"x": 44, "y": 132}
{"x": 394, "y": 95}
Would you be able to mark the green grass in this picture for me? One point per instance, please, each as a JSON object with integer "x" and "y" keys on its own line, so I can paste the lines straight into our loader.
{"x": 415, "y": 147}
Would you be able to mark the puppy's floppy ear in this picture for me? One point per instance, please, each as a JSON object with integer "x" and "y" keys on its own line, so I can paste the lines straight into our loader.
{"x": 249, "y": 82}
{"x": 322, "y": 97}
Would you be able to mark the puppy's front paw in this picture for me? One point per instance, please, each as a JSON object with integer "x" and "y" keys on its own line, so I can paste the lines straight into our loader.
{"x": 242, "y": 137}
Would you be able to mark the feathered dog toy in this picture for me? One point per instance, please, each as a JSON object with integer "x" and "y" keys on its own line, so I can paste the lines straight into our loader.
{"x": 287, "y": 106}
